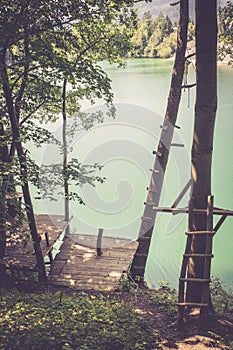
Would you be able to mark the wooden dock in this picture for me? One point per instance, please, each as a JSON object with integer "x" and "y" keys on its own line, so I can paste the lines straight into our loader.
{"x": 20, "y": 253}
{"x": 72, "y": 260}
{"x": 77, "y": 265}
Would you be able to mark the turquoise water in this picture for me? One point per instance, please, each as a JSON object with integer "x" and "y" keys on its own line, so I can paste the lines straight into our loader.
{"x": 124, "y": 146}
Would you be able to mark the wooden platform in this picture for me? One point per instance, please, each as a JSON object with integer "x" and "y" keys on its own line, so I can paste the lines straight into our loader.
{"x": 20, "y": 255}
{"x": 77, "y": 265}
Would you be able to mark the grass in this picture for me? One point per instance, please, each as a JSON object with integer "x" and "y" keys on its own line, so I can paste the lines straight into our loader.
{"x": 59, "y": 321}
{"x": 139, "y": 319}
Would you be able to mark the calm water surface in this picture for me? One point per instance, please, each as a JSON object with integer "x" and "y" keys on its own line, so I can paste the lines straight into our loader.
{"x": 124, "y": 146}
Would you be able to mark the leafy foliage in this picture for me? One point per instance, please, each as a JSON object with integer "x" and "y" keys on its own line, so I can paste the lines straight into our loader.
{"x": 50, "y": 178}
{"x": 152, "y": 36}
{"x": 44, "y": 44}
{"x": 222, "y": 299}
{"x": 165, "y": 298}
{"x": 226, "y": 31}
{"x": 157, "y": 37}
{"x": 70, "y": 322}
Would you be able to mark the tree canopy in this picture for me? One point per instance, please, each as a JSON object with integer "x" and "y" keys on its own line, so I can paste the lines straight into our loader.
{"x": 42, "y": 44}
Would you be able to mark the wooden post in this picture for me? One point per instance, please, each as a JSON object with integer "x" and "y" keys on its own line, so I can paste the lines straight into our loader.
{"x": 207, "y": 264}
{"x": 99, "y": 242}
{"x": 47, "y": 244}
{"x": 47, "y": 239}
{"x": 181, "y": 291}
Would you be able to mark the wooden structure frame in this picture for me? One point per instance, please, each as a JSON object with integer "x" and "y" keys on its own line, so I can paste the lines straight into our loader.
{"x": 206, "y": 257}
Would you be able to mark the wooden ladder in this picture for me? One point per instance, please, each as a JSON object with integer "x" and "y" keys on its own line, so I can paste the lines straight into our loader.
{"x": 204, "y": 281}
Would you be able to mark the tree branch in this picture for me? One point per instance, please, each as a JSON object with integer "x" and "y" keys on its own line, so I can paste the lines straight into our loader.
{"x": 31, "y": 113}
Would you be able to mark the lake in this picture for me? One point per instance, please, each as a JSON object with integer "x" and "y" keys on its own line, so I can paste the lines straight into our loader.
{"x": 124, "y": 146}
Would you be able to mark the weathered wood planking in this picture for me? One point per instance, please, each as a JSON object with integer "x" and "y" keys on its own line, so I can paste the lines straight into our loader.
{"x": 77, "y": 265}
{"x": 21, "y": 256}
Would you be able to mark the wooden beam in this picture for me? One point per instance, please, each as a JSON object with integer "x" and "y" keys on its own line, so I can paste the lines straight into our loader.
{"x": 185, "y": 210}
{"x": 219, "y": 223}
{"x": 182, "y": 193}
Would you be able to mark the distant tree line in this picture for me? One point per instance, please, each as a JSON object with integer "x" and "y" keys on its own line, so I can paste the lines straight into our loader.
{"x": 156, "y": 37}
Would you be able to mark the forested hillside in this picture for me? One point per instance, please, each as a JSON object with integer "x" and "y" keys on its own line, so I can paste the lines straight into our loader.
{"x": 156, "y": 37}
{"x": 157, "y": 6}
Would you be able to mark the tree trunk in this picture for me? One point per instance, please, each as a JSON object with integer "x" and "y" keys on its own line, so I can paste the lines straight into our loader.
{"x": 155, "y": 188}
{"x": 23, "y": 171}
{"x": 3, "y": 189}
{"x": 205, "y": 112}
{"x": 65, "y": 178}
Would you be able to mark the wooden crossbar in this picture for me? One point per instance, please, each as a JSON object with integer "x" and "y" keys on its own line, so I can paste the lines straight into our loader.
{"x": 185, "y": 210}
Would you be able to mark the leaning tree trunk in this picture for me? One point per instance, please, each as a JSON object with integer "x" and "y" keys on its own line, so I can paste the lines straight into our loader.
{"x": 155, "y": 188}
{"x": 23, "y": 170}
{"x": 205, "y": 112}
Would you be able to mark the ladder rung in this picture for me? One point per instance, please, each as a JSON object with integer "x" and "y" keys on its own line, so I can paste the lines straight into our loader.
{"x": 198, "y": 255}
{"x": 144, "y": 238}
{"x": 177, "y": 145}
{"x": 146, "y": 218}
{"x": 199, "y": 232}
{"x": 193, "y": 304}
{"x": 157, "y": 153}
{"x": 141, "y": 254}
{"x": 155, "y": 171}
{"x": 177, "y": 126}
{"x": 151, "y": 189}
{"x": 138, "y": 267}
{"x": 149, "y": 203}
{"x": 197, "y": 280}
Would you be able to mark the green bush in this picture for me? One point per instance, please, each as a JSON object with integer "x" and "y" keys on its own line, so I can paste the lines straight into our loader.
{"x": 165, "y": 298}
{"x": 222, "y": 299}
{"x": 56, "y": 321}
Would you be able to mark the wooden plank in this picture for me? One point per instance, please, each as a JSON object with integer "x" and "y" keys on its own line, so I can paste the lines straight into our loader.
{"x": 83, "y": 269}
{"x": 193, "y": 304}
{"x": 209, "y": 232}
{"x": 21, "y": 256}
{"x": 86, "y": 286}
{"x": 216, "y": 211}
{"x": 90, "y": 241}
{"x": 195, "y": 280}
